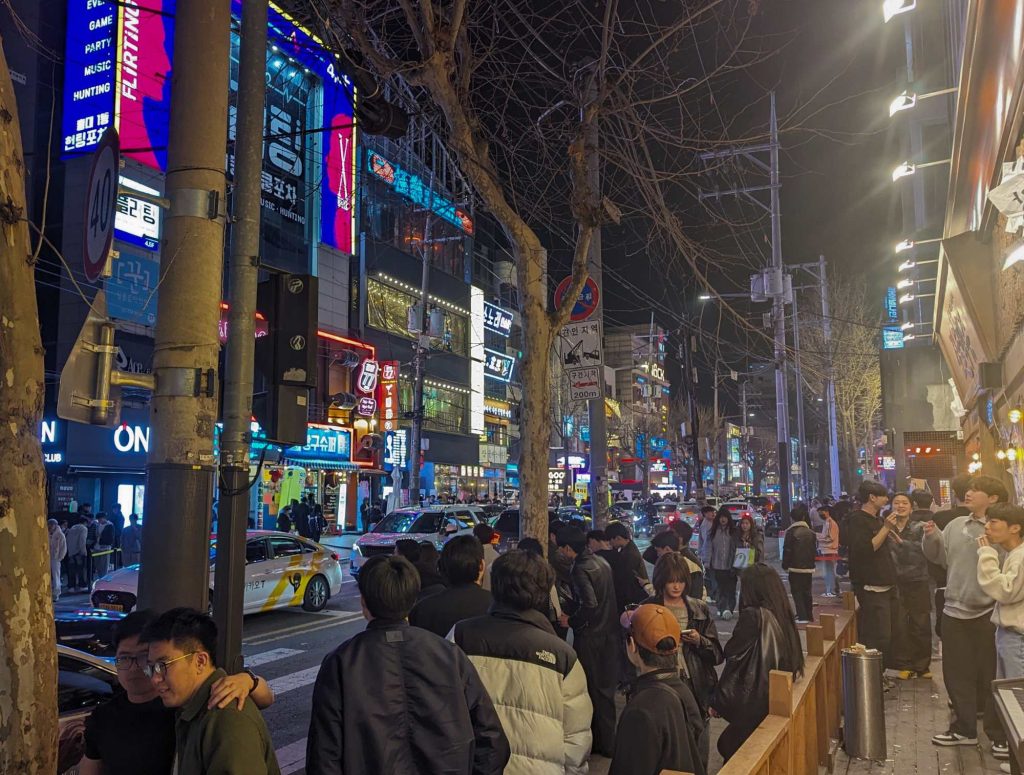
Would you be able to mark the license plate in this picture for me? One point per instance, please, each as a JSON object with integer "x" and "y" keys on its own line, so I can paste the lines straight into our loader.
{"x": 111, "y": 606}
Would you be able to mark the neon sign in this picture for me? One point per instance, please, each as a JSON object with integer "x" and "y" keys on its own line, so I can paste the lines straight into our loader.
{"x": 412, "y": 187}
{"x": 497, "y": 319}
{"x": 498, "y": 366}
{"x": 389, "y": 396}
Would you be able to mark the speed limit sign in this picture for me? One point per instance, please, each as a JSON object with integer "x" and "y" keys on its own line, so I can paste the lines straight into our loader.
{"x": 101, "y": 205}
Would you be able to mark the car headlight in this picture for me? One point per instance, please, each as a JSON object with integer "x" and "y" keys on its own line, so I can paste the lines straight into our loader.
{"x": 356, "y": 550}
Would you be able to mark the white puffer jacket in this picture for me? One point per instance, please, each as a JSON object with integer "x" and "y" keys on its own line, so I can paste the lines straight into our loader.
{"x": 537, "y": 686}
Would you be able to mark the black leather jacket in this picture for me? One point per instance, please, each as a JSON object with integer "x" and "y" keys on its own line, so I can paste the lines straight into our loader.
{"x": 397, "y": 699}
{"x": 701, "y": 659}
{"x": 593, "y": 610}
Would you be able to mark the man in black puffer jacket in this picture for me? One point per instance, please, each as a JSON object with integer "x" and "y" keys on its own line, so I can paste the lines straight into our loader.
{"x": 799, "y": 550}
{"x": 397, "y": 699}
{"x": 595, "y": 627}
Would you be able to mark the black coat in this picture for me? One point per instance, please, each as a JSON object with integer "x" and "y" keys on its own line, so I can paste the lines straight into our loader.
{"x": 701, "y": 659}
{"x": 439, "y": 612}
{"x": 397, "y": 699}
{"x": 799, "y": 548}
{"x": 593, "y": 610}
{"x": 629, "y": 574}
{"x": 658, "y": 729}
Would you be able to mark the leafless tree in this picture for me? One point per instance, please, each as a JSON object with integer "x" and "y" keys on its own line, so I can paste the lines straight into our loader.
{"x": 520, "y": 91}
{"x": 28, "y": 655}
{"x": 858, "y": 379}
{"x": 762, "y": 455}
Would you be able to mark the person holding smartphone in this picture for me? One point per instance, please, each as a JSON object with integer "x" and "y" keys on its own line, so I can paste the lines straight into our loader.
{"x": 701, "y": 651}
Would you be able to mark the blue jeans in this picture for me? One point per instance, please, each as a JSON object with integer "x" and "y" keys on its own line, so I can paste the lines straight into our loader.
{"x": 829, "y": 569}
{"x": 1009, "y": 653}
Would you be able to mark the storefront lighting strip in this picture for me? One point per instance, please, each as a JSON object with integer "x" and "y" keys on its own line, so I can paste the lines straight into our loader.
{"x": 446, "y": 386}
{"x": 343, "y": 340}
{"x": 416, "y": 291}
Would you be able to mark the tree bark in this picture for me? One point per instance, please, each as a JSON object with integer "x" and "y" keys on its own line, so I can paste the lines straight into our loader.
{"x": 28, "y": 655}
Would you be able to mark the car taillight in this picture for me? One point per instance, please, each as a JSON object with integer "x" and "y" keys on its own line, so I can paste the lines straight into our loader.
{"x": 334, "y": 556}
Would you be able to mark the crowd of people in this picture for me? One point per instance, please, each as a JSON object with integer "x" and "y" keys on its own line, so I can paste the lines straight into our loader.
{"x": 479, "y": 662}
{"x": 85, "y": 546}
{"x": 475, "y": 662}
{"x": 904, "y": 558}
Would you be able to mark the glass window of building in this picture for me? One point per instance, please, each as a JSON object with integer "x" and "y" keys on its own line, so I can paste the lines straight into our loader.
{"x": 496, "y": 434}
{"x": 394, "y": 220}
{"x": 445, "y": 409}
{"x": 387, "y": 309}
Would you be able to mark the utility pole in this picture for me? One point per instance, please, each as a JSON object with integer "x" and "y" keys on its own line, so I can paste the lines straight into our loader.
{"x": 830, "y": 384}
{"x": 243, "y": 273}
{"x": 183, "y": 413}
{"x": 595, "y": 407}
{"x": 776, "y": 274}
{"x": 690, "y": 381}
{"x": 743, "y": 436}
{"x": 421, "y": 349}
{"x": 779, "y": 317}
{"x": 800, "y": 429}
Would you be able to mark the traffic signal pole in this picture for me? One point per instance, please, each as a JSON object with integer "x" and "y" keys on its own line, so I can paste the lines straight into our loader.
{"x": 183, "y": 413}
{"x": 243, "y": 271}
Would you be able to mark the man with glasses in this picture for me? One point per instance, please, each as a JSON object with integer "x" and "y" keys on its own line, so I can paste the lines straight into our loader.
{"x": 134, "y": 731}
{"x": 181, "y": 666}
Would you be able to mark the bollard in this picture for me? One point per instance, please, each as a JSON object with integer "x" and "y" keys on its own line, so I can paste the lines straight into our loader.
{"x": 863, "y": 709}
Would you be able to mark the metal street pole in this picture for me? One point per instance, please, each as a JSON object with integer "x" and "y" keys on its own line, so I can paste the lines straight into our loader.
{"x": 598, "y": 487}
{"x": 801, "y": 431}
{"x": 779, "y": 317}
{"x": 743, "y": 437}
{"x": 183, "y": 412}
{"x": 243, "y": 271}
{"x": 690, "y": 382}
{"x": 830, "y": 385}
{"x": 419, "y": 368}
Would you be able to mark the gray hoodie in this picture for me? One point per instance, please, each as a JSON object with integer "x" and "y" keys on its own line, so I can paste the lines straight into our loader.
{"x": 956, "y": 549}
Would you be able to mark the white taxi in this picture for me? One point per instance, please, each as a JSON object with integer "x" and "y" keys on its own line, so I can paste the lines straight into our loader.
{"x": 434, "y": 524}
{"x": 281, "y": 570}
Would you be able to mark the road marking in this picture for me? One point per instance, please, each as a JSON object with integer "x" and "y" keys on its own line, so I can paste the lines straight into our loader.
{"x": 287, "y": 683}
{"x": 273, "y": 655}
{"x": 292, "y": 757}
{"x": 301, "y": 629}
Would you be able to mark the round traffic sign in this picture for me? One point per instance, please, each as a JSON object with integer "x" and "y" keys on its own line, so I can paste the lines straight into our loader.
{"x": 100, "y": 205}
{"x": 585, "y": 304}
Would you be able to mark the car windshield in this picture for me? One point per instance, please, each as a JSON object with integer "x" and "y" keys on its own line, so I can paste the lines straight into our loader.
{"x": 410, "y": 522}
{"x": 668, "y": 507}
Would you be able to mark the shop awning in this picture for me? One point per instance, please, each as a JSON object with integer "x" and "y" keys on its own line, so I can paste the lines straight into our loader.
{"x": 323, "y": 465}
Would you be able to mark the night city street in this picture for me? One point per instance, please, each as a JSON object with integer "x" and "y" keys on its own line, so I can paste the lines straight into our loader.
{"x": 472, "y": 387}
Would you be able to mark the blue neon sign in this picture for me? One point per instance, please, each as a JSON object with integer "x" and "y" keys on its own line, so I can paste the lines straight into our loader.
{"x": 88, "y": 74}
{"x": 323, "y": 444}
{"x": 892, "y": 306}
{"x": 412, "y": 187}
{"x": 892, "y": 338}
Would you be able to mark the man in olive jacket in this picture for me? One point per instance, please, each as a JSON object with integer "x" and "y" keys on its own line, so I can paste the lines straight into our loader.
{"x": 398, "y": 699}
{"x": 224, "y": 741}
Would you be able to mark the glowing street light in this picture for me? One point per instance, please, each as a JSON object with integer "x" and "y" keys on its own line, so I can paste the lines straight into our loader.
{"x": 892, "y": 8}
{"x": 903, "y": 170}
{"x": 908, "y": 99}
{"x": 907, "y": 326}
{"x": 906, "y": 244}
{"x": 704, "y": 297}
{"x": 906, "y": 266}
{"x": 906, "y": 168}
{"x": 904, "y": 284}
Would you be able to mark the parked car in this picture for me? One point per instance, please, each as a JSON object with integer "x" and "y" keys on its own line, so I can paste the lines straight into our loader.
{"x": 281, "y": 570}
{"x": 83, "y": 682}
{"x": 88, "y": 629}
{"x": 740, "y": 509}
{"x": 435, "y": 524}
{"x": 507, "y": 527}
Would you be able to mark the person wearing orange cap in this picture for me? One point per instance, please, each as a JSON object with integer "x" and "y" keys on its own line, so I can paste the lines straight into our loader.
{"x": 661, "y": 722}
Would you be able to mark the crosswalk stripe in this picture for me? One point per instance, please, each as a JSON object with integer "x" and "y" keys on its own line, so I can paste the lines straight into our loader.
{"x": 265, "y": 657}
{"x": 287, "y": 683}
{"x": 292, "y": 757}
{"x": 300, "y": 629}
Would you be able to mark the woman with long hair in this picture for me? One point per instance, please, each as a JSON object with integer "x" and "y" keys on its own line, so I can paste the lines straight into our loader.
{"x": 721, "y": 559}
{"x": 749, "y": 536}
{"x": 912, "y": 633}
{"x": 765, "y": 639}
{"x": 701, "y": 649}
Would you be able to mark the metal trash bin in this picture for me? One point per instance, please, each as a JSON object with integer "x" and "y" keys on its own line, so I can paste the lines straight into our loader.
{"x": 863, "y": 709}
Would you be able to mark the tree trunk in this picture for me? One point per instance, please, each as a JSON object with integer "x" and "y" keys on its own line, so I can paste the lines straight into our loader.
{"x": 28, "y": 655}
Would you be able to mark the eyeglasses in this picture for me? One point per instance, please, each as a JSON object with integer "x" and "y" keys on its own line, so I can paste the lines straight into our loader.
{"x": 160, "y": 668}
{"x": 127, "y": 661}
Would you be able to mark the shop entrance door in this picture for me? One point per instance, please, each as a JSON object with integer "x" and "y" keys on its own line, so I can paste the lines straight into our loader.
{"x": 131, "y": 498}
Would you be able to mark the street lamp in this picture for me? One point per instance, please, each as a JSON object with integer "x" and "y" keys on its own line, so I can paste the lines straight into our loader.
{"x": 892, "y": 8}
{"x": 906, "y": 298}
{"x": 909, "y": 244}
{"x": 906, "y": 266}
{"x": 704, "y": 297}
{"x": 904, "y": 284}
{"x": 908, "y": 99}
{"x": 906, "y": 169}
{"x": 907, "y": 326}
